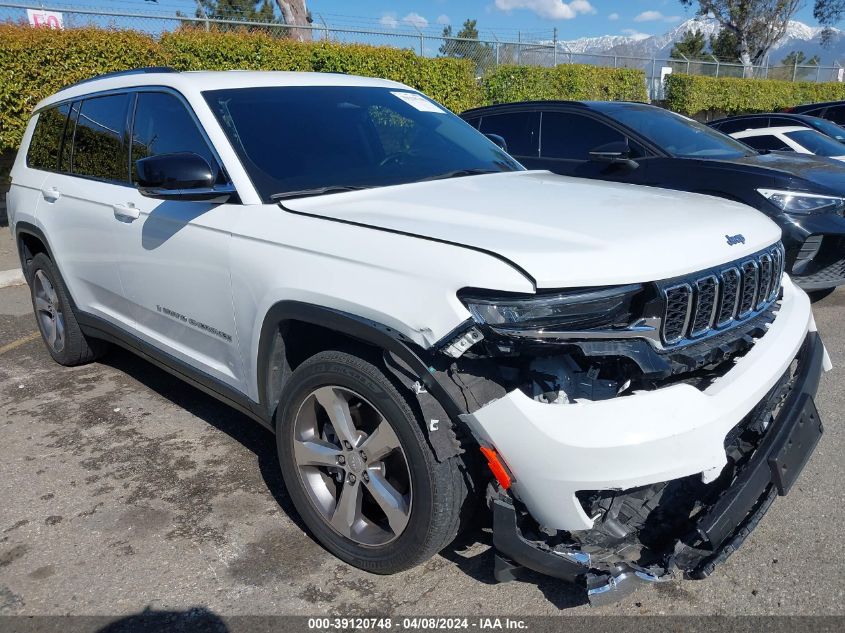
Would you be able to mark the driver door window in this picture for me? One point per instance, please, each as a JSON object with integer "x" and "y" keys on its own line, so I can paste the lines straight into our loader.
{"x": 570, "y": 136}
{"x": 163, "y": 126}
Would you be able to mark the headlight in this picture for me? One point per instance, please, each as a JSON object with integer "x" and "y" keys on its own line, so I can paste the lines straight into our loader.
{"x": 800, "y": 203}
{"x": 568, "y": 310}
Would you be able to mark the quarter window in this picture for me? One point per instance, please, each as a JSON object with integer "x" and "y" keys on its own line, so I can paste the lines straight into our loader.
{"x": 46, "y": 144}
{"x": 99, "y": 148}
{"x": 67, "y": 142}
{"x": 163, "y": 126}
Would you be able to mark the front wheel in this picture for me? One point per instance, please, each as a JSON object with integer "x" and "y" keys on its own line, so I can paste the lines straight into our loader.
{"x": 358, "y": 468}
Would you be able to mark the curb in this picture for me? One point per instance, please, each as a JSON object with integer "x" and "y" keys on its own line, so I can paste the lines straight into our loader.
{"x": 11, "y": 278}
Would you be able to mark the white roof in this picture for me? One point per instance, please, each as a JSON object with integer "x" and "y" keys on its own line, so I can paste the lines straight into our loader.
{"x": 763, "y": 131}
{"x": 196, "y": 81}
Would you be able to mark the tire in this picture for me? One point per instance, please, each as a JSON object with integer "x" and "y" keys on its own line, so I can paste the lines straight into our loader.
{"x": 434, "y": 492}
{"x": 55, "y": 318}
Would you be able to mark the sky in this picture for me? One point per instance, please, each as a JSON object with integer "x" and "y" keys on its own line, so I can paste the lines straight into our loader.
{"x": 506, "y": 18}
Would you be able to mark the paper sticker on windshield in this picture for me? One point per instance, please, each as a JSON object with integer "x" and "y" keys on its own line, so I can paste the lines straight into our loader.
{"x": 419, "y": 102}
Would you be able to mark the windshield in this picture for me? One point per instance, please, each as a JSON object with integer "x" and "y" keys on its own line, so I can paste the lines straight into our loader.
{"x": 817, "y": 143}
{"x": 332, "y": 138}
{"x": 829, "y": 128}
{"x": 678, "y": 135}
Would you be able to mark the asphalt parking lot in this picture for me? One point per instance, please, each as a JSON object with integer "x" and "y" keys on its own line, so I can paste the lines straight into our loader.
{"x": 123, "y": 489}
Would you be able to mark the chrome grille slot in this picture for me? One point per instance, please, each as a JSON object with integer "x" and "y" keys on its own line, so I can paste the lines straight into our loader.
{"x": 729, "y": 297}
{"x": 765, "y": 280}
{"x": 699, "y": 305}
{"x": 706, "y": 300}
{"x": 676, "y": 316}
{"x": 777, "y": 271}
{"x": 749, "y": 288}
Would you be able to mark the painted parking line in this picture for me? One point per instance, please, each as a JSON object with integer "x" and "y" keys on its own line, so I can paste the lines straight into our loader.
{"x": 21, "y": 341}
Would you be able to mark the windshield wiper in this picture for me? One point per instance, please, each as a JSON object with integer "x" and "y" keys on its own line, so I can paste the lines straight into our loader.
{"x": 316, "y": 191}
{"x": 458, "y": 173}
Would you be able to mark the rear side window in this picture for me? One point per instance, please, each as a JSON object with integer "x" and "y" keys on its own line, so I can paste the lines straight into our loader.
{"x": 729, "y": 127}
{"x": 99, "y": 143}
{"x": 766, "y": 142}
{"x": 46, "y": 144}
{"x": 521, "y": 131}
{"x": 163, "y": 125}
{"x": 779, "y": 121}
{"x": 572, "y": 136}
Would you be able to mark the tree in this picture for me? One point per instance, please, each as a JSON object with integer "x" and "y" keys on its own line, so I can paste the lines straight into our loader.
{"x": 691, "y": 46}
{"x": 465, "y": 45}
{"x": 247, "y": 10}
{"x": 798, "y": 58}
{"x": 828, "y": 13}
{"x": 295, "y": 13}
{"x": 757, "y": 24}
{"x": 725, "y": 46}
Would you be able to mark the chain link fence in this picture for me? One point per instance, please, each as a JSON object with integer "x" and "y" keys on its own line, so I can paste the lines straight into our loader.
{"x": 487, "y": 52}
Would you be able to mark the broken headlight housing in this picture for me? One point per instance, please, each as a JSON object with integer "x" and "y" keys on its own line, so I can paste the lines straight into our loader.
{"x": 569, "y": 310}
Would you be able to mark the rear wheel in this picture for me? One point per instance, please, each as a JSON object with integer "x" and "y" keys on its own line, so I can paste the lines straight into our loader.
{"x": 358, "y": 468}
{"x": 56, "y": 322}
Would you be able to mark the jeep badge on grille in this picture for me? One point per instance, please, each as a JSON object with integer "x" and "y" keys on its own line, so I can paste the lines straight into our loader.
{"x": 739, "y": 238}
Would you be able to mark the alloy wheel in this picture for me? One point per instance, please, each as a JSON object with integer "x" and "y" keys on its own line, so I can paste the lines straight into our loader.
{"x": 352, "y": 466}
{"x": 49, "y": 312}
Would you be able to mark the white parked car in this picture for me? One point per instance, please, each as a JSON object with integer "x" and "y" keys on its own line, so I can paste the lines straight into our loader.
{"x": 793, "y": 138}
{"x": 356, "y": 268}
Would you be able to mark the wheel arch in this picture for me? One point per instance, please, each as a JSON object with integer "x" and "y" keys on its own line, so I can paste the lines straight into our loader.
{"x": 30, "y": 240}
{"x": 290, "y": 330}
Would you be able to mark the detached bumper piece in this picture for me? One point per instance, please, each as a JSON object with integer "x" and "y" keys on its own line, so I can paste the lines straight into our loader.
{"x": 515, "y": 552}
{"x": 718, "y": 532}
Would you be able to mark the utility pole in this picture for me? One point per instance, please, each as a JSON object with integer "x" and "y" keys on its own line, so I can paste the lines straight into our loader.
{"x": 554, "y": 41}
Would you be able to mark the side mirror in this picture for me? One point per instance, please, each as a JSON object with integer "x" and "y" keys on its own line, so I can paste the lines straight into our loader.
{"x": 498, "y": 140}
{"x": 180, "y": 176}
{"x": 615, "y": 153}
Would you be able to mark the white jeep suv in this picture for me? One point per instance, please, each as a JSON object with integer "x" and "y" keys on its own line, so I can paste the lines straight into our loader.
{"x": 623, "y": 374}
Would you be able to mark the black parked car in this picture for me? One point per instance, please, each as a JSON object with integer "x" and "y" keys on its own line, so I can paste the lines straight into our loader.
{"x": 830, "y": 110}
{"x": 744, "y": 122}
{"x": 643, "y": 144}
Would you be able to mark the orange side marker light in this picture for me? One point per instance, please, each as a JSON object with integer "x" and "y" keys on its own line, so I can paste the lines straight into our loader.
{"x": 496, "y": 466}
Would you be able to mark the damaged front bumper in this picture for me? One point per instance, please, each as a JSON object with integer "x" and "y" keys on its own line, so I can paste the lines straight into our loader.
{"x": 715, "y": 533}
{"x": 556, "y": 450}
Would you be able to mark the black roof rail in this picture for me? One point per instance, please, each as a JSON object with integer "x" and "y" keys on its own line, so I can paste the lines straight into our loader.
{"x": 121, "y": 73}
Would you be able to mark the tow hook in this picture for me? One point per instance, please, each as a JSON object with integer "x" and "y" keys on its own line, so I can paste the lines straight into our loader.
{"x": 603, "y": 589}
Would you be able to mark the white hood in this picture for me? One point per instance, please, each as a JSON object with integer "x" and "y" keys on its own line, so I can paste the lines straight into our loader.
{"x": 563, "y": 232}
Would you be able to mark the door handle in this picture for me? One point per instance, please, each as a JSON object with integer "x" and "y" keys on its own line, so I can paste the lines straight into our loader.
{"x": 51, "y": 195}
{"x": 126, "y": 212}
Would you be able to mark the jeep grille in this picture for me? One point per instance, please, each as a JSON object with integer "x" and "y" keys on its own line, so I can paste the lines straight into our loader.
{"x": 700, "y": 304}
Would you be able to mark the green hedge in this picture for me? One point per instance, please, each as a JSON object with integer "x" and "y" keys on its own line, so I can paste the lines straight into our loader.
{"x": 35, "y": 63}
{"x": 692, "y": 95}
{"x": 566, "y": 81}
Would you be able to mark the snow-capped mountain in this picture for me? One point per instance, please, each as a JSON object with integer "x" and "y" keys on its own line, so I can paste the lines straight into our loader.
{"x": 799, "y": 37}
